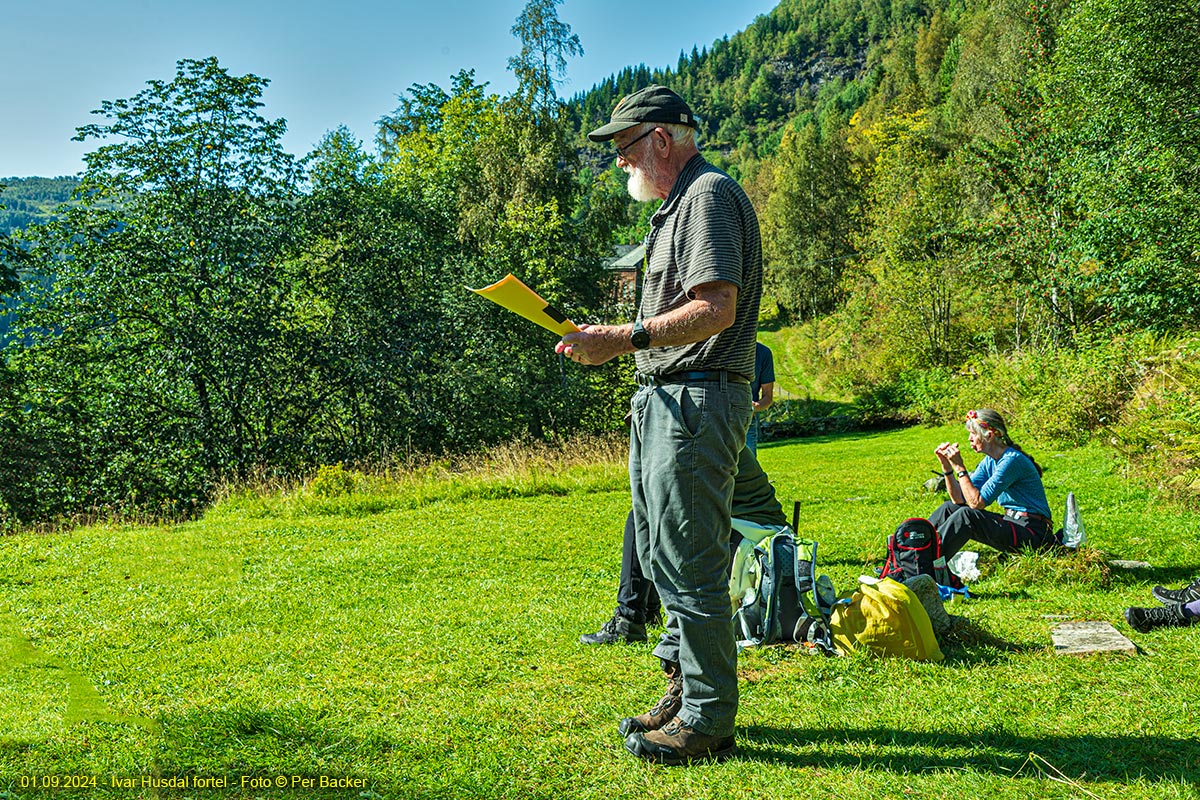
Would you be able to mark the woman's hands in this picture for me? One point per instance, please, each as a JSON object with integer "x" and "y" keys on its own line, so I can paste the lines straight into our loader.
{"x": 951, "y": 458}
{"x": 952, "y": 468}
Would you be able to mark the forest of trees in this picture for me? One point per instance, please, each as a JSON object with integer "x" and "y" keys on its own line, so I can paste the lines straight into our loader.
{"x": 935, "y": 179}
{"x": 27, "y": 201}
{"x": 1004, "y": 172}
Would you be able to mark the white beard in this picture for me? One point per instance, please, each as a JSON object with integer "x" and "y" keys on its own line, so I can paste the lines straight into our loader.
{"x": 639, "y": 186}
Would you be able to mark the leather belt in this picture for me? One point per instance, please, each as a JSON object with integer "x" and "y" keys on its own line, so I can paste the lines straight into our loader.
{"x": 691, "y": 377}
{"x": 1027, "y": 515}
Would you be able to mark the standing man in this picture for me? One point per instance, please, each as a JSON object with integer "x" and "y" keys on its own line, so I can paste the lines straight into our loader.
{"x": 762, "y": 392}
{"x": 693, "y": 341}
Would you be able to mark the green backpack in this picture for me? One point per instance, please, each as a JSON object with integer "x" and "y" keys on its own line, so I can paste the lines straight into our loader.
{"x": 774, "y": 589}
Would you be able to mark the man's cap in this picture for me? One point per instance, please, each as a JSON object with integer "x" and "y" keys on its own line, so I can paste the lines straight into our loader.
{"x": 653, "y": 104}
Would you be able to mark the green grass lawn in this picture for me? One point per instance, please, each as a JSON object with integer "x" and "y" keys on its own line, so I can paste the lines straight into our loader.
{"x": 425, "y": 644}
{"x": 797, "y": 376}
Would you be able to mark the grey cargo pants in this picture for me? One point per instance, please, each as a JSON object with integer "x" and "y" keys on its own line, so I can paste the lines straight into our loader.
{"x": 684, "y": 443}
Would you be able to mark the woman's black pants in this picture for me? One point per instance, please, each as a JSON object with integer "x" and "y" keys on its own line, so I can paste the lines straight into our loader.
{"x": 960, "y": 524}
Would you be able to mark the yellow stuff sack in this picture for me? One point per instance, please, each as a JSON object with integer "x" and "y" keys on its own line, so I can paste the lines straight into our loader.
{"x": 886, "y": 618}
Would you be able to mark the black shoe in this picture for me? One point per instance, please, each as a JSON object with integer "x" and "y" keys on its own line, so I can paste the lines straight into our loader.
{"x": 1187, "y": 594}
{"x": 1145, "y": 620}
{"x": 617, "y": 629}
{"x": 677, "y": 743}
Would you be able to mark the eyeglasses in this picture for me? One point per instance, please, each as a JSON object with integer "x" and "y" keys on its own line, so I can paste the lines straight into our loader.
{"x": 622, "y": 151}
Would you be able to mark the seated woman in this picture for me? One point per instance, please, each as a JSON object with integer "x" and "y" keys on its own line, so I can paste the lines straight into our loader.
{"x": 1007, "y": 476}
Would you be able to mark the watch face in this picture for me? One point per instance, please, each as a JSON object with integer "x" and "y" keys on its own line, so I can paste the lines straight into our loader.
{"x": 640, "y": 339}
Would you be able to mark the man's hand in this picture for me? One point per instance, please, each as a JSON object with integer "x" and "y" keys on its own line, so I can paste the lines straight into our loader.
{"x": 596, "y": 344}
{"x": 765, "y": 399}
{"x": 711, "y": 310}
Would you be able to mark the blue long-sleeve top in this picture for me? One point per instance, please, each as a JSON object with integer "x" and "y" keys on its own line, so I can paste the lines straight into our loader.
{"x": 1013, "y": 482}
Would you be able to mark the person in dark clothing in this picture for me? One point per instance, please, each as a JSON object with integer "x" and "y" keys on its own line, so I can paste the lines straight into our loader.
{"x": 637, "y": 600}
{"x": 1006, "y": 475}
{"x": 762, "y": 392}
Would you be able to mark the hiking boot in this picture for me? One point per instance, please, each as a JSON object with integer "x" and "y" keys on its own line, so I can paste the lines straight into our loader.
{"x": 1187, "y": 594}
{"x": 664, "y": 710}
{"x": 617, "y": 629}
{"x": 678, "y": 743}
{"x": 1145, "y": 620}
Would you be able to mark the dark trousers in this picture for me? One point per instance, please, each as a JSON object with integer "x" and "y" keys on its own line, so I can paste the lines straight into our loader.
{"x": 637, "y": 598}
{"x": 960, "y": 524}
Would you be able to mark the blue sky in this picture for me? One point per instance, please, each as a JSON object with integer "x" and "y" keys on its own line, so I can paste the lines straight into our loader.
{"x": 329, "y": 63}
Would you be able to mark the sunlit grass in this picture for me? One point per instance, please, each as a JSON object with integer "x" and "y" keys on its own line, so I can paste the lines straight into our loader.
{"x": 418, "y": 631}
{"x": 585, "y": 464}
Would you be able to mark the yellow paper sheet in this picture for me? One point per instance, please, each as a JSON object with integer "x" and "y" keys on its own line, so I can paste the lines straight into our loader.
{"x": 518, "y": 298}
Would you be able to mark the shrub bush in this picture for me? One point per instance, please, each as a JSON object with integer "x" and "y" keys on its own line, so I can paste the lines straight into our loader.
{"x": 1159, "y": 427}
{"x": 334, "y": 480}
{"x": 1064, "y": 395}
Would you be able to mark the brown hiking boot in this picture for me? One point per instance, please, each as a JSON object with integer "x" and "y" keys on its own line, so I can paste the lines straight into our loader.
{"x": 678, "y": 743}
{"x": 664, "y": 710}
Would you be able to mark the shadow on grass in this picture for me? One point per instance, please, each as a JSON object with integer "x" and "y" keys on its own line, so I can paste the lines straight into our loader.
{"x": 1085, "y": 758}
{"x": 865, "y": 568}
{"x": 1016, "y": 594}
{"x": 1171, "y": 577}
{"x": 251, "y": 748}
{"x": 968, "y": 644}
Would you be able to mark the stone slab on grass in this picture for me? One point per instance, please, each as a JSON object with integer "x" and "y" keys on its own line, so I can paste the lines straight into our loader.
{"x": 1085, "y": 638}
{"x": 1121, "y": 563}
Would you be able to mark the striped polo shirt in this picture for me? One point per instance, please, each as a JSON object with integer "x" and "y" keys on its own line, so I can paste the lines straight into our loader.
{"x": 705, "y": 231}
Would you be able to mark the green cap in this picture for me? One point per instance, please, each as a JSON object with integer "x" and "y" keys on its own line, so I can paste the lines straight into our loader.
{"x": 653, "y": 104}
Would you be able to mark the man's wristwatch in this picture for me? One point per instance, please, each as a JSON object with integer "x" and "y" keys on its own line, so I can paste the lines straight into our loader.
{"x": 639, "y": 338}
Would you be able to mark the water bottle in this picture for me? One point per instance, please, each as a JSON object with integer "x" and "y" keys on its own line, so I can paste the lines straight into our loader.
{"x": 826, "y": 594}
{"x": 1073, "y": 534}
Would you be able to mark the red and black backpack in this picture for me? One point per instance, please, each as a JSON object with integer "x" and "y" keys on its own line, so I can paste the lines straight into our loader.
{"x": 916, "y": 549}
